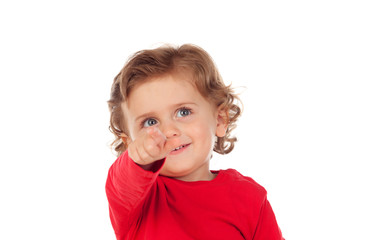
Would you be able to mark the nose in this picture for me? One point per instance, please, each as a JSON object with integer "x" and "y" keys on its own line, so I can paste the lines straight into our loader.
{"x": 170, "y": 129}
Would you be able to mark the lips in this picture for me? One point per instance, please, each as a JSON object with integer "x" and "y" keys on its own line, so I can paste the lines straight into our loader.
{"x": 180, "y": 149}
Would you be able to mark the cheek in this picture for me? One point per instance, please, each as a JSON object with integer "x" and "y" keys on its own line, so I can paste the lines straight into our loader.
{"x": 203, "y": 132}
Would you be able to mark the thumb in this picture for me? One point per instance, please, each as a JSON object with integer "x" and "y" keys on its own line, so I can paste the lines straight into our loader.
{"x": 171, "y": 144}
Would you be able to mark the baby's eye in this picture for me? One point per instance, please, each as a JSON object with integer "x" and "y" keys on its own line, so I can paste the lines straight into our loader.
{"x": 149, "y": 122}
{"x": 183, "y": 112}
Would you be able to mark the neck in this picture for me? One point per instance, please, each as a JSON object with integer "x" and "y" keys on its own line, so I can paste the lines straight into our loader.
{"x": 193, "y": 177}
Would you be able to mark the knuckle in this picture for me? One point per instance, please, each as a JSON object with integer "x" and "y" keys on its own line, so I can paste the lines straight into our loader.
{"x": 150, "y": 148}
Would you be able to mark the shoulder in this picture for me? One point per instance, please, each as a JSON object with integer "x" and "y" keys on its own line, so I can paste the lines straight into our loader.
{"x": 244, "y": 186}
{"x": 247, "y": 198}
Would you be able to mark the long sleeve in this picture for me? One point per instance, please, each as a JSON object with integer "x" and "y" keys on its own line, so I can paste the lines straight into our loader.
{"x": 146, "y": 205}
{"x": 267, "y": 227}
{"x": 127, "y": 186}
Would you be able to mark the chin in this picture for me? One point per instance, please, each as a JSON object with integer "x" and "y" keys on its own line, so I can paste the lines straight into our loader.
{"x": 176, "y": 171}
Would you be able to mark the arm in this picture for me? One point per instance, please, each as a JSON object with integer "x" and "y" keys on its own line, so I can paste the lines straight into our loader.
{"x": 130, "y": 179}
{"x": 127, "y": 187}
{"x": 267, "y": 227}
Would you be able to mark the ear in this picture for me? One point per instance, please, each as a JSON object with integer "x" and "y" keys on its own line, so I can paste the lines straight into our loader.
{"x": 222, "y": 122}
{"x": 125, "y": 139}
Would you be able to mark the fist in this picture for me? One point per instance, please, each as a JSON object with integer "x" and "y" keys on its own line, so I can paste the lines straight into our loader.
{"x": 151, "y": 145}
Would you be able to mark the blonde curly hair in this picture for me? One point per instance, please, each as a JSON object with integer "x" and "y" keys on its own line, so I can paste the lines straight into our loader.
{"x": 167, "y": 59}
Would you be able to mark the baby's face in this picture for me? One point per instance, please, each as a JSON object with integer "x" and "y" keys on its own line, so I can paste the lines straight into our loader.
{"x": 173, "y": 105}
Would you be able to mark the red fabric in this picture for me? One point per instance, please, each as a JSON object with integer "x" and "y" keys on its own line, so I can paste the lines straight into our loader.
{"x": 146, "y": 205}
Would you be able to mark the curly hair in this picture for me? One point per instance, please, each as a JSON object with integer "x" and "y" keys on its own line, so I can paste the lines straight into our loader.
{"x": 168, "y": 59}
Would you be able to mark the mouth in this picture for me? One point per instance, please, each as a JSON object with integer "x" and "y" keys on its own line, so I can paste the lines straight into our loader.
{"x": 180, "y": 148}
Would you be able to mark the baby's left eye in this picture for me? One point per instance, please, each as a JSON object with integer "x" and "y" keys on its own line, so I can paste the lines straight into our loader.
{"x": 183, "y": 112}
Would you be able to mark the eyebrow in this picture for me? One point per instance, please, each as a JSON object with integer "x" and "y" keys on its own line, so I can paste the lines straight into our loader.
{"x": 175, "y": 106}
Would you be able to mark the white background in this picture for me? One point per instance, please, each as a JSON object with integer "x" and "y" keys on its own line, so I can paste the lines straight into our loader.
{"x": 312, "y": 133}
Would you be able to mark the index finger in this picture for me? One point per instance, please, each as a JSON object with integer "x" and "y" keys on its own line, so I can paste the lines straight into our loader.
{"x": 158, "y": 137}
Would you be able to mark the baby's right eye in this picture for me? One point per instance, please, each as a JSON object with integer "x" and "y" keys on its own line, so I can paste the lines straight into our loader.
{"x": 149, "y": 122}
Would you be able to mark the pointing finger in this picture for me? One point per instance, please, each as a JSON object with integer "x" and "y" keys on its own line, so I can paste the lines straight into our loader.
{"x": 158, "y": 137}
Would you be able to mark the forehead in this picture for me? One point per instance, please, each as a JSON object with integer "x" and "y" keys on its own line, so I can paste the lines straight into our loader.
{"x": 159, "y": 92}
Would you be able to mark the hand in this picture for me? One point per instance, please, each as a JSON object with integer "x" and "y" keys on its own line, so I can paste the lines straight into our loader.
{"x": 151, "y": 145}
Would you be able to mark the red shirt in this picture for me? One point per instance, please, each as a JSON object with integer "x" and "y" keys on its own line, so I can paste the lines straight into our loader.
{"x": 146, "y": 205}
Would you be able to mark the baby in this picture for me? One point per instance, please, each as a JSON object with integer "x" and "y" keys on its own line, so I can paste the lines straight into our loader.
{"x": 169, "y": 111}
